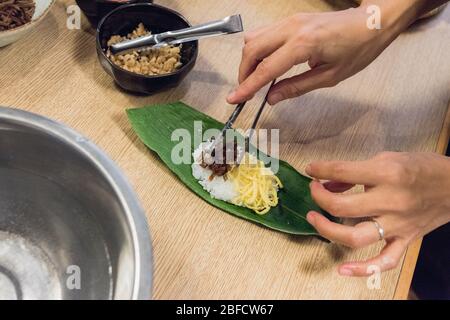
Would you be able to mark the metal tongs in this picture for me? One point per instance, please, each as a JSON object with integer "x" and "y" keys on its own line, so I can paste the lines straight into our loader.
{"x": 237, "y": 111}
{"x": 228, "y": 25}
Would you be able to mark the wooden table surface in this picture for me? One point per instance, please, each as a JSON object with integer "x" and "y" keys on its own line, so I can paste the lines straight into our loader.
{"x": 398, "y": 103}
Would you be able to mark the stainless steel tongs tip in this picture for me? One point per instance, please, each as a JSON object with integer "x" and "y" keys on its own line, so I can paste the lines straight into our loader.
{"x": 228, "y": 25}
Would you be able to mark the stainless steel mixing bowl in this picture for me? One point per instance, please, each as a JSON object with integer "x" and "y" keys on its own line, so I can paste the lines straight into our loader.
{"x": 70, "y": 225}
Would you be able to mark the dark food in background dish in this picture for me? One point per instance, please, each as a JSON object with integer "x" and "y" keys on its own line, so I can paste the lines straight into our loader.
{"x": 15, "y": 13}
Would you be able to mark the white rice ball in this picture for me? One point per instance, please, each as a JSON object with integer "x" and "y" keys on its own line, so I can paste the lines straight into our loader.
{"x": 218, "y": 187}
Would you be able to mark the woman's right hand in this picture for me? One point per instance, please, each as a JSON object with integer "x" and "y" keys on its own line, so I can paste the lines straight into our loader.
{"x": 336, "y": 45}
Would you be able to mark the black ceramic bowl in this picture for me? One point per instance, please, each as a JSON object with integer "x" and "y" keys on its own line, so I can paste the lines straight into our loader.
{"x": 95, "y": 10}
{"x": 124, "y": 20}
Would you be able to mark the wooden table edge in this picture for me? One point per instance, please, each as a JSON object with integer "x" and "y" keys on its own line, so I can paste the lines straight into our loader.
{"x": 412, "y": 253}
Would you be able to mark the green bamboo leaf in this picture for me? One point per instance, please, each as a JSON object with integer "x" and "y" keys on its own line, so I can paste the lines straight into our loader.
{"x": 154, "y": 126}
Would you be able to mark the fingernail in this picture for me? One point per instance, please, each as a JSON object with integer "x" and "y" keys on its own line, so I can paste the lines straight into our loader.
{"x": 313, "y": 182}
{"x": 232, "y": 96}
{"x": 311, "y": 217}
{"x": 344, "y": 271}
{"x": 308, "y": 169}
{"x": 275, "y": 98}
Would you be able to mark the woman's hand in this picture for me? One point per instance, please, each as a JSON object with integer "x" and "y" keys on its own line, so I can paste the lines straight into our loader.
{"x": 408, "y": 194}
{"x": 336, "y": 45}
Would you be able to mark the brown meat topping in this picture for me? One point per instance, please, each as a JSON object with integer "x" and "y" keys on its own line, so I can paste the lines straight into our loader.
{"x": 15, "y": 13}
{"x": 221, "y": 164}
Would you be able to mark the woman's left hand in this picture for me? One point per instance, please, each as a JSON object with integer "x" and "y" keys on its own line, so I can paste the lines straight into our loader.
{"x": 407, "y": 194}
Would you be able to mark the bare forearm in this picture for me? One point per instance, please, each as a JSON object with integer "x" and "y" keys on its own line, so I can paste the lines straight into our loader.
{"x": 399, "y": 14}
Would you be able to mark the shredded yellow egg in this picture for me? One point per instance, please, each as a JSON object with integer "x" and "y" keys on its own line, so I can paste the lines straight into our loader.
{"x": 257, "y": 185}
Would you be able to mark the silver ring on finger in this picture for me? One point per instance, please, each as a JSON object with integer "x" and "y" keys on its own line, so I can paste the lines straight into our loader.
{"x": 379, "y": 229}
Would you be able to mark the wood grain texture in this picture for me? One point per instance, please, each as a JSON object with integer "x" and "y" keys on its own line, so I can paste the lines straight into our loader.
{"x": 397, "y": 103}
